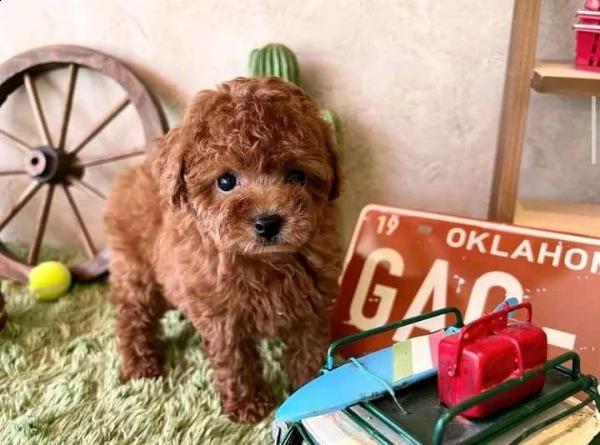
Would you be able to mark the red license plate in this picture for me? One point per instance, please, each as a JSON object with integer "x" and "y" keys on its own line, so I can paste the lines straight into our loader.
{"x": 402, "y": 263}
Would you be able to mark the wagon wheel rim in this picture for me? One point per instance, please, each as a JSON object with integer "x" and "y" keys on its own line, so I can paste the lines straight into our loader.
{"x": 51, "y": 166}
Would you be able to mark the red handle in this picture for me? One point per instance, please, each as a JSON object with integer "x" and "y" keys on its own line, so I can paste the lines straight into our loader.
{"x": 464, "y": 334}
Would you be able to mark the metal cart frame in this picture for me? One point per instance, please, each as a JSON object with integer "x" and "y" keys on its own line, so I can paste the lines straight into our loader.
{"x": 295, "y": 433}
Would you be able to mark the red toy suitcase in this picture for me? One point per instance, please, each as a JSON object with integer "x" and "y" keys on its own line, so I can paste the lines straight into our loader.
{"x": 487, "y": 352}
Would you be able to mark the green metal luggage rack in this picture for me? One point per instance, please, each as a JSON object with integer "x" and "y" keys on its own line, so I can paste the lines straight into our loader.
{"x": 425, "y": 421}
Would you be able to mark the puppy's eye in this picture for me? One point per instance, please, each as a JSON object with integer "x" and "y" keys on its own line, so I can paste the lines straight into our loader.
{"x": 295, "y": 177}
{"x": 226, "y": 182}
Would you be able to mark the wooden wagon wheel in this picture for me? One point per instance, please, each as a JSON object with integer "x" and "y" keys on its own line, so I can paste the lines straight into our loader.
{"x": 50, "y": 165}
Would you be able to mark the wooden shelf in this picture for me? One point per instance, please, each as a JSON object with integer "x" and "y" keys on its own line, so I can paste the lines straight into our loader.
{"x": 580, "y": 219}
{"x": 557, "y": 77}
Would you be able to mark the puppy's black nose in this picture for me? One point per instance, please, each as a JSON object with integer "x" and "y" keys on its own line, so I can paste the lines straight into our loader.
{"x": 267, "y": 226}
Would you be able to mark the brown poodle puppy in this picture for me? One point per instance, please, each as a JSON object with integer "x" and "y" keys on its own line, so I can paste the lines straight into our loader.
{"x": 231, "y": 220}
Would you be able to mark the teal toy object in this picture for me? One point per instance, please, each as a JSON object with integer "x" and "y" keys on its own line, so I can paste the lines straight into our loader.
{"x": 362, "y": 379}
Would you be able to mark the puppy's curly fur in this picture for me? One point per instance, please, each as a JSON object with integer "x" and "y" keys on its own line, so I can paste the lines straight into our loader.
{"x": 232, "y": 221}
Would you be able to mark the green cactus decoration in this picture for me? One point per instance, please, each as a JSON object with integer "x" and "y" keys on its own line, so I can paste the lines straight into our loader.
{"x": 275, "y": 59}
{"x": 332, "y": 119}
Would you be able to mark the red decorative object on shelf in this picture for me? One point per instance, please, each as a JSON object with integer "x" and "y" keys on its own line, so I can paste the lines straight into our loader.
{"x": 587, "y": 30}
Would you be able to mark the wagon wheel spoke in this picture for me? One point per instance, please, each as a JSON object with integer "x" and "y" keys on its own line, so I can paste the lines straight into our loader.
{"x": 114, "y": 112}
{"x": 22, "y": 202}
{"x": 85, "y": 234}
{"x": 90, "y": 189}
{"x": 40, "y": 228}
{"x": 24, "y": 147}
{"x": 12, "y": 172}
{"x": 36, "y": 106}
{"x": 68, "y": 107}
{"x": 109, "y": 158}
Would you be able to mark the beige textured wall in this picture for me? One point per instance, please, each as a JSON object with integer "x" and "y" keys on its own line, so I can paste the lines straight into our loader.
{"x": 557, "y": 160}
{"x": 416, "y": 83}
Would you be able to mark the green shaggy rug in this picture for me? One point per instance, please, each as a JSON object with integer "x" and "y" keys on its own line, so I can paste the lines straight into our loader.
{"x": 59, "y": 380}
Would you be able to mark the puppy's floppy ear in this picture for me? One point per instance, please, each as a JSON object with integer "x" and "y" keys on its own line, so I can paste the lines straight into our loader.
{"x": 169, "y": 168}
{"x": 174, "y": 147}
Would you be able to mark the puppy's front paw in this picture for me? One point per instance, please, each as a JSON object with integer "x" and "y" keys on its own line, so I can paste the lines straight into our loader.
{"x": 250, "y": 411}
{"x": 147, "y": 369}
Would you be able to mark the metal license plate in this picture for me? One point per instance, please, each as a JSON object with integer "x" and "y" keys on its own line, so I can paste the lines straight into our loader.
{"x": 402, "y": 263}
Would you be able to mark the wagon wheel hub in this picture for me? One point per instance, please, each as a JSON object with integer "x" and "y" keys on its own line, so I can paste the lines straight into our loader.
{"x": 50, "y": 166}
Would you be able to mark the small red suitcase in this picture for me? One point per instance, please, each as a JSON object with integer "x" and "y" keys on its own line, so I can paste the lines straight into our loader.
{"x": 487, "y": 352}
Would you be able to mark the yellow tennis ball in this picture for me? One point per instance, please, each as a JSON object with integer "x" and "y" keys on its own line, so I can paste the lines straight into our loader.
{"x": 49, "y": 280}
